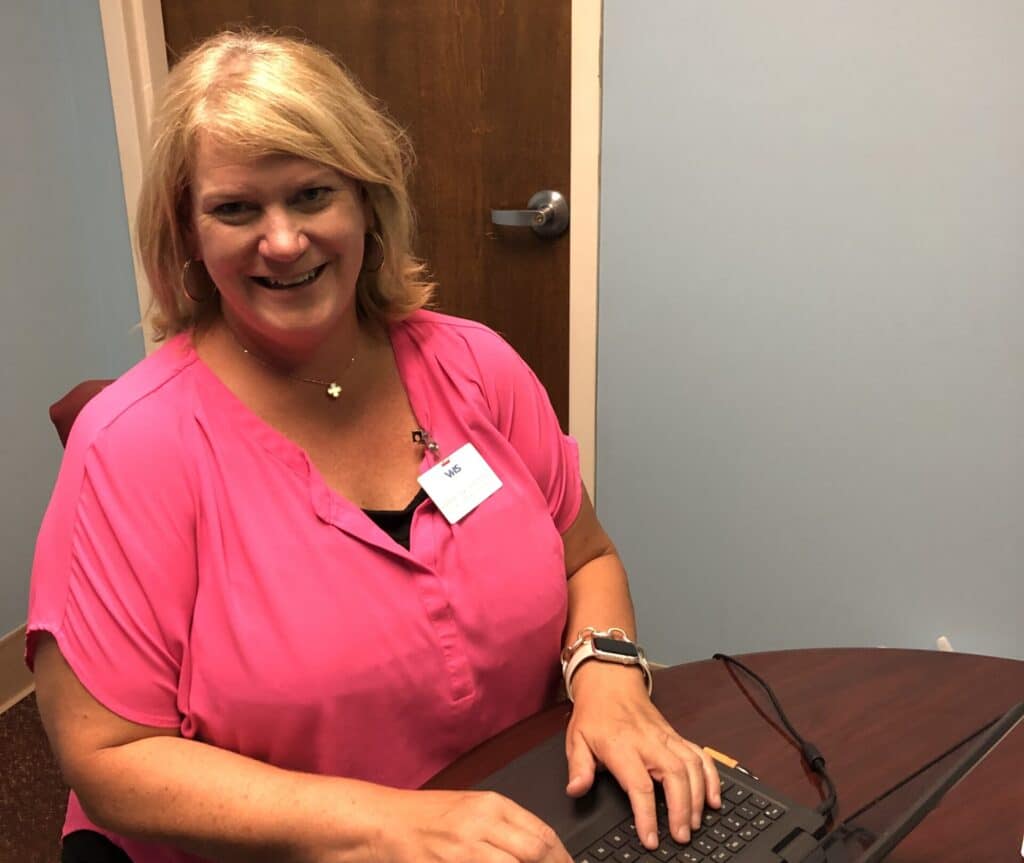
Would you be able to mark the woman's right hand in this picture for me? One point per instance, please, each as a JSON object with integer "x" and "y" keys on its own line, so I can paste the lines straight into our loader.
{"x": 465, "y": 827}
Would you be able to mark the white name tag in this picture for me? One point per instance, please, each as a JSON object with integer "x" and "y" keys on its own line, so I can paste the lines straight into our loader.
{"x": 460, "y": 483}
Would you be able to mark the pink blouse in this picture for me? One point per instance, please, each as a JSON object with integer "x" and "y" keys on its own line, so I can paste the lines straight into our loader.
{"x": 198, "y": 573}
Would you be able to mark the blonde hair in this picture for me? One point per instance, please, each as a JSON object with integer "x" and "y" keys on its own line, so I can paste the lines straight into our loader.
{"x": 268, "y": 94}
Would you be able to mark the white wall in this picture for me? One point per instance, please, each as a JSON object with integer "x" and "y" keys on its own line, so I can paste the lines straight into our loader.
{"x": 66, "y": 277}
{"x": 811, "y": 337}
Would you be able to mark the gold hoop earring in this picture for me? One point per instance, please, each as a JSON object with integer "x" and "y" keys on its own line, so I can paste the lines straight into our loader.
{"x": 184, "y": 285}
{"x": 379, "y": 240}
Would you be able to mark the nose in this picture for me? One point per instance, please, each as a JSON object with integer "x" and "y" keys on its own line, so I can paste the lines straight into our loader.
{"x": 283, "y": 239}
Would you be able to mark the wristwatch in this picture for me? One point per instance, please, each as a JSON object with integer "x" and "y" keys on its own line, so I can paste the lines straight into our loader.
{"x": 610, "y": 645}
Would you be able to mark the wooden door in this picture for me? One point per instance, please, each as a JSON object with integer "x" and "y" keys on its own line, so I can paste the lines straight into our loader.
{"x": 482, "y": 86}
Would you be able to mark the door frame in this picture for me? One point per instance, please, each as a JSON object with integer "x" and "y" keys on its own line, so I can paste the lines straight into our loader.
{"x": 133, "y": 34}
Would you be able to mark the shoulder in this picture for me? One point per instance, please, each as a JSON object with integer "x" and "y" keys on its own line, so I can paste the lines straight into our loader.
{"x": 450, "y": 338}
{"x": 141, "y": 411}
{"x": 479, "y": 364}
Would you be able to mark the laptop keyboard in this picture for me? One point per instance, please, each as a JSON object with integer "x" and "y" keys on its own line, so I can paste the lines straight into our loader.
{"x": 721, "y": 837}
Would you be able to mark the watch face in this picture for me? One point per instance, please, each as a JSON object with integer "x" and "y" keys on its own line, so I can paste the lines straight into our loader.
{"x": 615, "y": 646}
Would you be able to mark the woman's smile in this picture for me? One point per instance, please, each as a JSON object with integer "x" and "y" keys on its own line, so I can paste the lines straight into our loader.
{"x": 301, "y": 280}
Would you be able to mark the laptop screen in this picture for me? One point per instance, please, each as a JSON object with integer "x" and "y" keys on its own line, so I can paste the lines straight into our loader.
{"x": 872, "y": 831}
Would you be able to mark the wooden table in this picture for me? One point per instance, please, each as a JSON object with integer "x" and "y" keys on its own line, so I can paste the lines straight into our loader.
{"x": 875, "y": 714}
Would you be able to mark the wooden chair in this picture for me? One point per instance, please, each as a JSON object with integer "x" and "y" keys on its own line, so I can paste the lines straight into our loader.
{"x": 64, "y": 411}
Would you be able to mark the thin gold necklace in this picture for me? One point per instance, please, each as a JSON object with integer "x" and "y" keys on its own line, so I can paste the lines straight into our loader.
{"x": 332, "y": 389}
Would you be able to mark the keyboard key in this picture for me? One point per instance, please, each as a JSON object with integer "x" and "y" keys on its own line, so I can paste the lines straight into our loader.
{"x": 629, "y": 827}
{"x": 737, "y": 794}
{"x": 601, "y": 850}
{"x": 617, "y": 838}
{"x": 704, "y": 846}
{"x": 664, "y": 852}
{"x": 709, "y": 817}
{"x": 747, "y": 813}
{"x": 747, "y": 833}
{"x": 584, "y": 858}
{"x": 626, "y": 854}
{"x": 719, "y": 835}
{"x": 759, "y": 801}
{"x": 720, "y": 856}
{"x": 735, "y": 844}
{"x": 690, "y": 856}
{"x": 734, "y": 823}
{"x": 725, "y": 808}
{"x": 725, "y": 785}
{"x": 761, "y": 822}
{"x": 774, "y": 812}
{"x": 671, "y": 844}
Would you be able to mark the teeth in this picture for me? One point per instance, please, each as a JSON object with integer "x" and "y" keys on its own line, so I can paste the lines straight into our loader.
{"x": 307, "y": 277}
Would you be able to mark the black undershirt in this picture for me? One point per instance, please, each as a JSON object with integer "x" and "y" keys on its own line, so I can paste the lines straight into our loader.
{"x": 397, "y": 523}
{"x": 87, "y": 846}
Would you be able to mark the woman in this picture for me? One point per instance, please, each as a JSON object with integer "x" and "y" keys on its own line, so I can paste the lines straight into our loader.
{"x": 253, "y": 631}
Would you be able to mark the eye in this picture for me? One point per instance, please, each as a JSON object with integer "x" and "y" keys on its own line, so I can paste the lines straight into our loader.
{"x": 314, "y": 197}
{"x": 233, "y": 211}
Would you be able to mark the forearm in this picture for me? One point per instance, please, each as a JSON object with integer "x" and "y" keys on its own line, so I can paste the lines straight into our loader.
{"x": 599, "y": 596}
{"x": 225, "y": 806}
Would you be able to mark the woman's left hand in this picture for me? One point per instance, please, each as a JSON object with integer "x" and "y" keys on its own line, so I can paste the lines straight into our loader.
{"x": 615, "y": 724}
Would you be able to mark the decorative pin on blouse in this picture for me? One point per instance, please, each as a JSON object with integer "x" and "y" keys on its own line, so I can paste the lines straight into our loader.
{"x": 422, "y": 437}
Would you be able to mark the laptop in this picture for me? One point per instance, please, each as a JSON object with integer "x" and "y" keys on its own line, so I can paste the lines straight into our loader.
{"x": 755, "y": 825}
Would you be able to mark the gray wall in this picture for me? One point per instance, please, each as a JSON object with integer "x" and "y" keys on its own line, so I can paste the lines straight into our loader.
{"x": 68, "y": 286}
{"x": 811, "y": 339}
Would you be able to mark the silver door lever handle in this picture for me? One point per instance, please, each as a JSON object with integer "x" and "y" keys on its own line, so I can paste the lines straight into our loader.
{"x": 548, "y": 215}
{"x": 521, "y": 218}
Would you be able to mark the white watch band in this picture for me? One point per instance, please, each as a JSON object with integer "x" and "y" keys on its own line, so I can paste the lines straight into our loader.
{"x": 585, "y": 651}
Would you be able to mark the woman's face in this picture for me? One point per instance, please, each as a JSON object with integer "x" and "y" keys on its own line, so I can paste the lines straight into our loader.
{"x": 282, "y": 238}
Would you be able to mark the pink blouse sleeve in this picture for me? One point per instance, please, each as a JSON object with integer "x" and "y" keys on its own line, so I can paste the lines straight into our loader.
{"x": 523, "y": 413}
{"x": 113, "y": 578}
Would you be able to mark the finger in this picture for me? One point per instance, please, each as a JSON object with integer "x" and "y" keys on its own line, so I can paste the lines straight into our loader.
{"x": 679, "y": 770}
{"x": 695, "y": 769}
{"x": 677, "y": 798}
{"x": 693, "y": 757}
{"x": 487, "y": 853}
{"x": 528, "y": 838}
{"x": 641, "y": 800}
{"x": 712, "y": 781}
{"x": 633, "y": 776}
{"x": 581, "y": 763}
{"x": 524, "y": 846}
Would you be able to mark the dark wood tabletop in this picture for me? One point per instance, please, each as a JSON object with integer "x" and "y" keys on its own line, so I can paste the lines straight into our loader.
{"x": 875, "y": 714}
